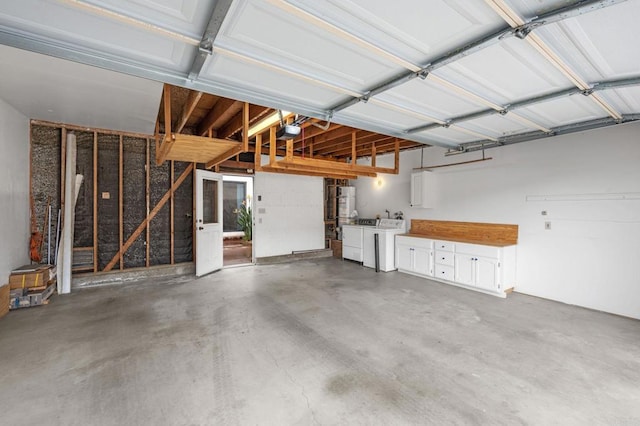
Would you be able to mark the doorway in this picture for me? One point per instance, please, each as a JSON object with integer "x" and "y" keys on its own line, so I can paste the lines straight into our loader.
{"x": 237, "y": 220}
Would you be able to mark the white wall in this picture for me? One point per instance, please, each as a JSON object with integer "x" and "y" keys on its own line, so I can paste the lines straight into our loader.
{"x": 288, "y": 212}
{"x": 14, "y": 190}
{"x": 590, "y": 256}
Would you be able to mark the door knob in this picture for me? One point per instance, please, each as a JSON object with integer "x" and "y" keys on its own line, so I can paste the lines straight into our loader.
{"x": 200, "y": 228}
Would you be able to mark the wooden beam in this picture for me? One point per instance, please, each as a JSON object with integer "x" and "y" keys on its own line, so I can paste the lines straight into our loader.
{"x": 315, "y": 132}
{"x": 221, "y": 112}
{"x": 120, "y": 206}
{"x": 187, "y": 110}
{"x": 334, "y": 167}
{"x": 149, "y": 217}
{"x": 272, "y": 145}
{"x": 232, "y": 164}
{"x": 396, "y": 162}
{"x": 276, "y": 169}
{"x": 347, "y": 148}
{"x": 289, "y": 152}
{"x": 72, "y": 127}
{"x": 172, "y": 218}
{"x": 354, "y": 157}
{"x": 225, "y": 156}
{"x": 373, "y": 154}
{"x": 95, "y": 202}
{"x": 147, "y": 202}
{"x": 257, "y": 156}
{"x": 234, "y": 125}
{"x": 166, "y": 97}
{"x": 245, "y": 127}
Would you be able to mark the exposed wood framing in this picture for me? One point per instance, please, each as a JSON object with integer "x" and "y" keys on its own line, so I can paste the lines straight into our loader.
{"x": 172, "y": 231}
{"x": 396, "y": 163}
{"x": 189, "y": 106}
{"x": 373, "y": 154}
{"x": 276, "y": 169}
{"x": 63, "y": 167}
{"x": 221, "y": 112}
{"x": 354, "y": 140}
{"x": 150, "y": 216}
{"x": 332, "y": 167}
{"x": 245, "y": 127}
{"x": 272, "y": 146}
{"x": 257, "y": 157}
{"x": 169, "y": 139}
{"x": 147, "y": 202}
{"x": 88, "y": 129}
{"x": 234, "y": 125}
{"x": 120, "y": 206}
{"x": 95, "y": 201}
{"x": 225, "y": 155}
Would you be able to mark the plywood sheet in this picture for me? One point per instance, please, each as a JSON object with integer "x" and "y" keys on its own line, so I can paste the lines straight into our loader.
{"x": 197, "y": 149}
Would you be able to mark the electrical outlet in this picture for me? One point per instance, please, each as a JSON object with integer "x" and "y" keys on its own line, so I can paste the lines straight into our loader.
{"x": 547, "y": 225}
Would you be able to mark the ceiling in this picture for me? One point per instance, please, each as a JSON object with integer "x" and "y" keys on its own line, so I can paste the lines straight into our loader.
{"x": 456, "y": 73}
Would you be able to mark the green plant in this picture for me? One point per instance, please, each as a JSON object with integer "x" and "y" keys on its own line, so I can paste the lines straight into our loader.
{"x": 245, "y": 220}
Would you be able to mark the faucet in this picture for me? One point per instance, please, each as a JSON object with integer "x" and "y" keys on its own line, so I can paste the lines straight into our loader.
{"x": 388, "y": 214}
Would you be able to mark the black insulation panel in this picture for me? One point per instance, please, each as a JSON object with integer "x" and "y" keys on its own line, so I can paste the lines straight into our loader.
{"x": 160, "y": 240}
{"x": 108, "y": 210}
{"x": 83, "y": 225}
{"x": 183, "y": 216}
{"x": 134, "y": 199}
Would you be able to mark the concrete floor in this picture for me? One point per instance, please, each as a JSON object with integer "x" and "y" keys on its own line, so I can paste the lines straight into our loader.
{"x": 315, "y": 342}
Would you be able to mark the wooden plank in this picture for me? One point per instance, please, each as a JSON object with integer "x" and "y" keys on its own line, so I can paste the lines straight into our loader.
{"x": 272, "y": 146}
{"x": 89, "y": 129}
{"x": 63, "y": 166}
{"x": 354, "y": 138}
{"x": 245, "y": 127}
{"x": 336, "y": 166}
{"x": 235, "y": 123}
{"x": 166, "y": 97}
{"x": 198, "y": 149}
{"x": 172, "y": 217}
{"x": 289, "y": 150}
{"x": 147, "y": 201}
{"x": 232, "y": 164}
{"x": 396, "y": 163}
{"x": 187, "y": 110}
{"x": 223, "y": 110}
{"x": 373, "y": 154}
{"x": 120, "y": 206}
{"x": 225, "y": 155}
{"x": 471, "y": 232}
{"x": 271, "y": 169}
{"x": 193, "y": 213}
{"x": 257, "y": 156}
{"x": 302, "y": 166}
{"x": 95, "y": 201}
{"x": 152, "y": 214}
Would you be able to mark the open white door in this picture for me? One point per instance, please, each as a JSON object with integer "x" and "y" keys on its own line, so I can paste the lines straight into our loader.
{"x": 208, "y": 222}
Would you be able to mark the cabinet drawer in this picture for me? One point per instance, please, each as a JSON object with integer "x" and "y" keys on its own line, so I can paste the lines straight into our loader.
{"x": 444, "y": 258}
{"x": 478, "y": 250}
{"x": 352, "y": 253}
{"x": 444, "y": 272}
{"x": 444, "y": 245}
{"x": 414, "y": 241}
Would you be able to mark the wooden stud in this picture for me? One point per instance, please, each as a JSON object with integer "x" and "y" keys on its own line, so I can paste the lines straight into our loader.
{"x": 72, "y": 127}
{"x": 148, "y": 219}
{"x": 396, "y": 163}
{"x": 307, "y": 173}
{"x": 272, "y": 146}
{"x": 289, "y": 152}
{"x": 193, "y": 214}
{"x": 172, "y": 217}
{"x": 166, "y": 96}
{"x": 120, "y": 205}
{"x": 63, "y": 166}
{"x": 311, "y": 148}
{"x": 95, "y": 201}
{"x": 245, "y": 127}
{"x": 373, "y": 154}
{"x": 222, "y": 111}
{"x": 189, "y": 106}
{"x": 147, "y": 201}
{"x": 354, "y": 140}
{"x": 257, "y": 156}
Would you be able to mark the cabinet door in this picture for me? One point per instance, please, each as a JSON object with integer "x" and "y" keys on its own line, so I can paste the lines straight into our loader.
{"x": 416, "y": 189}
{"x": 464, "y": 269}
{"x": 486, "y": 273}
{"x": 404, "y": 257}
{"x": 423, "y": 261}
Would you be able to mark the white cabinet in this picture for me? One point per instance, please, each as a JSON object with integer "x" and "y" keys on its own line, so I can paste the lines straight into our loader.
{"x": 414, "y": 255}
{"x": 423, "y": 189}
{"x": 489, "y": 269}
{"x": 352, "y": 236}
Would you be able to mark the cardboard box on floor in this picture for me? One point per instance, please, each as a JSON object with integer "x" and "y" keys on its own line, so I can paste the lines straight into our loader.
{"x": 30, "y": 276}
{"x": 4, "y": 300}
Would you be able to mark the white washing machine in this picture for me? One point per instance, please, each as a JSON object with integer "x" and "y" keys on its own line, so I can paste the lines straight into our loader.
{"x": 386, "y": 230}
{"x": 352, "y": 239}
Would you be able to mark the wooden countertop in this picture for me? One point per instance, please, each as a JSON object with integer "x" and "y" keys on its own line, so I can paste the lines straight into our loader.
{"x": 458, "y": 240}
